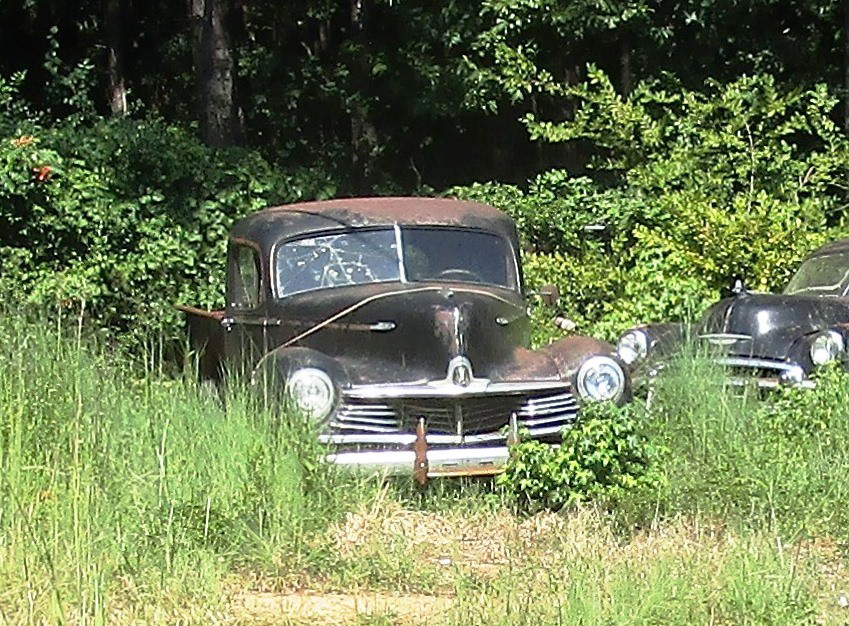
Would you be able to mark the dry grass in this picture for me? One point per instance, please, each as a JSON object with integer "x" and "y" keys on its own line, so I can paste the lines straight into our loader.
{"x": 494, "y": 568}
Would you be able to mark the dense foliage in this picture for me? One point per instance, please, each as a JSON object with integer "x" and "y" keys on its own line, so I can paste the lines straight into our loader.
{"x": 645, "y": 174}
{"x": 687, "y": 191}
{"x": 604, "y": 456}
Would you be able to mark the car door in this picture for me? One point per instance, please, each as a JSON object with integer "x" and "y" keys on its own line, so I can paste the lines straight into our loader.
{"x": 246, "y": 324}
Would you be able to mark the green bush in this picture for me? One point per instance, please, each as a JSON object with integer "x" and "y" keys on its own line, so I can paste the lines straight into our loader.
{"x": 602, "y": 456}
{"x": 691, "y": 188}
{"x": 124, "y": 219}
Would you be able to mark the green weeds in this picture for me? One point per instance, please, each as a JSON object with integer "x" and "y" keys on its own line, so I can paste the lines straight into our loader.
{"x": 118, "y": 483}
{"x": 130, "y": 496}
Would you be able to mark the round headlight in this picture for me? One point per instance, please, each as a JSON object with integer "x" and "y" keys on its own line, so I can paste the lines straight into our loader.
{"x": 633, "y": 346}
{"x": 827, "y": 347}
{"x": 601, "y": 378}
{"x": 311, "y": 392}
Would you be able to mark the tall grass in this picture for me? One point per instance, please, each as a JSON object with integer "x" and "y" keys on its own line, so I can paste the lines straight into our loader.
{"x": 130, "y": 496}
{"x": 121, "y": 489}
{"x": 776, "y": 461}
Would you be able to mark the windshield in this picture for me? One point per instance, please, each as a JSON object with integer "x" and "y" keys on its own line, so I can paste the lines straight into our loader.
{"x": 373, "y": 256}
{"x": 444, "y": 254}
{"x": 353, "y": 258}
{"x": 824, "y": 275}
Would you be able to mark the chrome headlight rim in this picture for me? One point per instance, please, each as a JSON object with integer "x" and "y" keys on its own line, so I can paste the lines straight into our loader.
{"x": 633, "y": 346}
{"x": 595, "y": 366}
{"x": 827, "y": 347}
{"x": 311, "y": 392}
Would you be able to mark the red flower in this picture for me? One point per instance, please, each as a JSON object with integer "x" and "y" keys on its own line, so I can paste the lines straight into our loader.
{"x": 42, "y": 173}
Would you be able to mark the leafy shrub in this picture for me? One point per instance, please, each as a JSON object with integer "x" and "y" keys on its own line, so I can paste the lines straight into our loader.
{"x": 798, "y": 413}
{"x": 686, "y": 190}
{"x": 602, "y": 456}
{"x": 123, "y": 219}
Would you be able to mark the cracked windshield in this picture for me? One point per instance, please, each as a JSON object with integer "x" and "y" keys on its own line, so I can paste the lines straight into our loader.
{"x": 362, "y": 257}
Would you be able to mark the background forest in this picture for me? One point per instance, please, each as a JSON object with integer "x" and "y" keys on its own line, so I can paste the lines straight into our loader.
{"x": 651, "y": 150}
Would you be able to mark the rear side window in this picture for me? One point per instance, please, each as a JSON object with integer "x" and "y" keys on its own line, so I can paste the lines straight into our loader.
{"x": 244, "y": 277}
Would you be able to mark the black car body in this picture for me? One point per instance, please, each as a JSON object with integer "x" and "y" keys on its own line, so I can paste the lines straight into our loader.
{"x": 402, "y": 325}
{"x": 770, "y": 339}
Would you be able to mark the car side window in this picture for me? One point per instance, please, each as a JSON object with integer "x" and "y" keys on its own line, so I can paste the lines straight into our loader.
{"x": 244, "y": 277}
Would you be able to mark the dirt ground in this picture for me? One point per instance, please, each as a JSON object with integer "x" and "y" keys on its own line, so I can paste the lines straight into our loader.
{"x": 336, "y": 608}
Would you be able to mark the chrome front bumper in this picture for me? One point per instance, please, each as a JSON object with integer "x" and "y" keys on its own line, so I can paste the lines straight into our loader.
{"x": 785, "y": 374}
{"x": 441, "y": 462}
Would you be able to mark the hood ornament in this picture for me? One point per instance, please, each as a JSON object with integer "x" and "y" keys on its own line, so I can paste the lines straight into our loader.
{"x": 739, "y": 287}
{"x": 460, "y": 371}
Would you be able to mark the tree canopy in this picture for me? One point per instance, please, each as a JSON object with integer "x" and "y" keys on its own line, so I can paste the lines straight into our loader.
{"x": 699, "y": 134}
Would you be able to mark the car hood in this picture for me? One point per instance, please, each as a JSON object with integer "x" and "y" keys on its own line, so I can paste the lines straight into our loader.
{"x": 768, "y": 325}
{"x": 424, "y": 329}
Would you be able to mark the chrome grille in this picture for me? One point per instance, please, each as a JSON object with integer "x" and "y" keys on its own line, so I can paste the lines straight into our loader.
{"x": 361, "y": 417}
{"x": 540, "y": 415}
{"x": 546, "y": 415}
{"x": 472, "y": 416}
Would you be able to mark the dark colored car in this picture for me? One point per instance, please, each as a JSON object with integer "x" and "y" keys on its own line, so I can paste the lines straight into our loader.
{"x": 772, "y": 339}
{"x": 401, "y": 324}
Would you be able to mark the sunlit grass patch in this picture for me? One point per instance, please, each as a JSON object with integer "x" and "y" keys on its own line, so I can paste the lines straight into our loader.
{"x": 120, "y": 487}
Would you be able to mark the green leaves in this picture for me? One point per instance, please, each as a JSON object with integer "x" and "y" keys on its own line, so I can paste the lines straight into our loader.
{"x": 601, "y": 457}
{"x": 129, "y": 217}
{"x": 687, "y": 189}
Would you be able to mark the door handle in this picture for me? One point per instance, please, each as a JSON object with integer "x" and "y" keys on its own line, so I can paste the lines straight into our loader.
{"x": 382, "y": 327}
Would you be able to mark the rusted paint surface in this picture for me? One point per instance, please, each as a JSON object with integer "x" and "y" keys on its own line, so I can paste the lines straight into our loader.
{"x": 570, "y": 352}
{"x": 420, "y": 470}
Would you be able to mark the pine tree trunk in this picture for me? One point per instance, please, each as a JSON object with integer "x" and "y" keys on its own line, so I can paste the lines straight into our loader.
{"x": 364, "y": 141}
{"x": 214, "y": 72}
{"x": 117, "y": 90}
{"x": 626, "y": 74}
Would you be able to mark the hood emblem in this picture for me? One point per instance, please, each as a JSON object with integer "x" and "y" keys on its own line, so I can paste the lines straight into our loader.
{"x": 460, "y": 371}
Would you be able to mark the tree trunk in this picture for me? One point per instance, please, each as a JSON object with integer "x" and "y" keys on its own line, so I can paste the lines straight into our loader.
{"x": 364, "y": 142}
{"x": 626, "y": 74}
{"x": 214, "y": 65}
{"x": 117, "y": 90}
{"x": 845, "y": 5}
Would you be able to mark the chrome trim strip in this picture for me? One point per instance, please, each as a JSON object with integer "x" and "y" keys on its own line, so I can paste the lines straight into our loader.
{"x": 552, "y": 398}
{"x": 756, "y": 362}
{"x": 553, "y": 410}
{"x": 399, "y": 244}
{"x": 745, "y": 361}
{"x": 446, "y": 389}
{"x": 371, "y": 428}
{"x": 355, "y": 423}
{"x": 770, "y": 383}
{"x": 568, "y": 418}
{"x": 734, "y": 336}
{"x": 409, "y": 439}
{"x": 368, "y": 418}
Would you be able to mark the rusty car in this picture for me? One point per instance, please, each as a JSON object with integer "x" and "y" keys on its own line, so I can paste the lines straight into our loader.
{"x": 764, "y": 339}
{"x": 401, "y": 326}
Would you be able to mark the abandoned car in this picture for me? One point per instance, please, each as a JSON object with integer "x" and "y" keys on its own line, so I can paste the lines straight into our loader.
{"x": 764, "y": 339}
{"x": 400, "y": 325}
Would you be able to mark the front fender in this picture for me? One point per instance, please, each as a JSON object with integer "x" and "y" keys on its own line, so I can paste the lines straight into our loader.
{"x": 276, "y": 366}
{"x": 570, "y": 352}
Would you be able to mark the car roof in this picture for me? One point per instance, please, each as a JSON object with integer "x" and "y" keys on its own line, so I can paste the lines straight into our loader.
{"x": 292, "y": 220}
{"x": 833, "y": 247}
